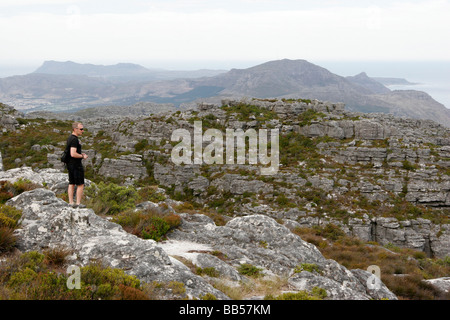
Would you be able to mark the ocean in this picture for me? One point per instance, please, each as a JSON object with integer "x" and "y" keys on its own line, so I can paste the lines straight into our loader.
{"x": 432, "y": 77}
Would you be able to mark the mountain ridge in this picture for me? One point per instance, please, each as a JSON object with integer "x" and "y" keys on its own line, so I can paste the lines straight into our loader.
{"x": 70, "y": 67}
{"x": 128, "y": 84}
{"x": 130, "y": 71}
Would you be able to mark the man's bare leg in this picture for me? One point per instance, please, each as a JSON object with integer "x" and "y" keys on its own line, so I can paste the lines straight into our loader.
{"x": 80, "y": 190}
{"x": 70, "y": 192}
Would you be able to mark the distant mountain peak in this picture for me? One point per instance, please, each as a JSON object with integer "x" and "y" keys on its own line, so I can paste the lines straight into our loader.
{"x": 362, "y": 75}
{"x": 71, "y": 68}
{"x": 363, "y": 80}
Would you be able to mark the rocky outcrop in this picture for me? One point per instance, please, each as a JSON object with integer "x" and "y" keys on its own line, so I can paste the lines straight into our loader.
{"x": 418, "y": 234}
{"x": 442, "y": 284}
{"x": 8, "y": 115}
{"x": 49, "y": 222}
{"x": 52, "y": 179}
{"x": 8, "y": 122}
{"x": 125, "y": 166}
{"x": 260, "y": 241}
{"x": 353, "y": 163}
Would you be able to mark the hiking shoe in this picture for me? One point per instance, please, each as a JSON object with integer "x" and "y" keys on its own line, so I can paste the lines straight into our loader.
{"x": 81, "y": 206}
{"x": 73, "y": 205}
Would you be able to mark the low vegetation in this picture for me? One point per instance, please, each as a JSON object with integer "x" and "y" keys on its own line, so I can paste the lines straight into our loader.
{"x": 44, "y": 276}
{"x": 402, "y": 270}
{"x": 9, "y": 221}
{"x": 148, "y": 224}
{"x": 248, "y": 112}
{"x": 30, "y": 145}
{"x": 120, "y": 203}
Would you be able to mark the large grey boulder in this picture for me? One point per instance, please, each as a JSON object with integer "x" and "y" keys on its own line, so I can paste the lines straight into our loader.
{"x": 48, "y": 222}
{"x": 8, "y": 122}
{"x": 261, "y": 241}
{"x": 52, "y": 179}
{"x": 125, "y": 166}
{"x": 442, "y": 284}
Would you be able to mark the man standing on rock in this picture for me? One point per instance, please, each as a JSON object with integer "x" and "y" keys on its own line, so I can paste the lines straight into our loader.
{"x": 74, "y": 165}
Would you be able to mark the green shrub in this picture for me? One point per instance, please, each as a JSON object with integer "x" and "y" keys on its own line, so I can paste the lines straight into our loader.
{"x": 151, "y": 193}
{"x": 310, "y": 267}
{"x": 210, "y": 271}
{"x": 308, "y": 116}
{"x": 408, "y": 165}
{"x": 21, "y": 277}
{"x": 22, "y": 185}
{"x": 96, "y": 274}
{"x": 295, "y": 147}
{"x": 148, "y": 224}
{"x": 249, "y": 270}
{"x": 330, "y": 231}
{"x": 155, "y": 228}
{"x": 111, "y": 198}
{"x": 319, "y": 292}
{"x": 9, "y": 216}
{"x": 30, "y": 276}
{"x": 282, "y": 200}
{"x": 9, "y": 190}
{"x": 33, "y": 260}
{"x": 141, "y": 145}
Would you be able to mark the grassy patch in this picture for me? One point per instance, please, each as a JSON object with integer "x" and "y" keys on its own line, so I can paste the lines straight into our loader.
{"x": 43, "y": 276}
{"x": 249, "y": 270}
{"x": 110, "y": 199}
{"x": 147, "y": 224}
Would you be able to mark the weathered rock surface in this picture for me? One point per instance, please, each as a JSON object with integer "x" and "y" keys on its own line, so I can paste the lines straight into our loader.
{"x": 125, "y": 166}
{"x": 442, "y": 284}
{"x": 8, "y": 116}
{"x": 260, "y": 241}
{"x": 362, "y": 158}
{"x": 53, "y": 179}
{"x": 48, "y": 222}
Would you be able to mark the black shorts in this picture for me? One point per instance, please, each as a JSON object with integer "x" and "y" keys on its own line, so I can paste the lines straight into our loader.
{"x": 76, "y": 173}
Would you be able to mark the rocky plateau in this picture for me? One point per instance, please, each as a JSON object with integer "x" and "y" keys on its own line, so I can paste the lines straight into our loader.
{"x": 380, "y": 178}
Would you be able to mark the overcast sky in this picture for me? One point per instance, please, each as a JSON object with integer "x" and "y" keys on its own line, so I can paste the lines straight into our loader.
{"x": 213, "y": 34}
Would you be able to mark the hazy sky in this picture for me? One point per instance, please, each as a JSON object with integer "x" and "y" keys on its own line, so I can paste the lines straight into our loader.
{"x": 201, "y": 33}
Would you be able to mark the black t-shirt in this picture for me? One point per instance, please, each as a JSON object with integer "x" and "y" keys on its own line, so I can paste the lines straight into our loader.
{"x": 73, "y": 142}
